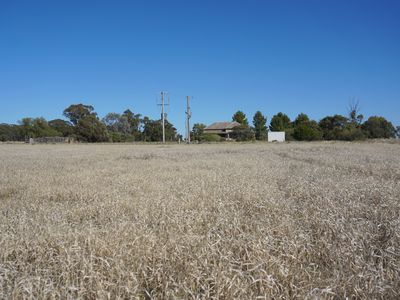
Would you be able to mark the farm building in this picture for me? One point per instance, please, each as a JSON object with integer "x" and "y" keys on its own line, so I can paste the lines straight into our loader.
{"x": 223, "y": 129}
{"x": 276, "y": 136}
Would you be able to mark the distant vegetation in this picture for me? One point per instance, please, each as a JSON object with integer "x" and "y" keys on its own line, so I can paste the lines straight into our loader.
{"x": 335, "y": 127}
{"x": 84, "y": 125}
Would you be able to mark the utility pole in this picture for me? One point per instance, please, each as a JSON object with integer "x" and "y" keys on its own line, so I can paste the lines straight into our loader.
{"x": 163, "y": 117}
{"x": 163, "y": 95}
{"x": 188, "y": 116}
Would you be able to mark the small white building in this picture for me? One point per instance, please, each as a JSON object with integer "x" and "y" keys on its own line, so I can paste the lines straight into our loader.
{"x": 276, "y": 136}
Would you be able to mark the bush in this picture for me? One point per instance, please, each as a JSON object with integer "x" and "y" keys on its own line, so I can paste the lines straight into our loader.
{"x": 243, "y": 133}
{"x": 308, "y": 132}
{"x": 90, "y": 129}
{"x": 351, "y": 133}
{"x": 289, "y": 134}
{"x": 117, "y": 137}
{"x": 306, "y": 129}
{"x": 210, "y": 137}
{"x": 379, "y": 127}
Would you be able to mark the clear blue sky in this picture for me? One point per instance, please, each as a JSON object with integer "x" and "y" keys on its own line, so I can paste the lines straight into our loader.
{"x": 290, "y": 56}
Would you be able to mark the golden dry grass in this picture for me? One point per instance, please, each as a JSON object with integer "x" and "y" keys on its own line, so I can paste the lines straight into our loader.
{"x": 236, "y": 221}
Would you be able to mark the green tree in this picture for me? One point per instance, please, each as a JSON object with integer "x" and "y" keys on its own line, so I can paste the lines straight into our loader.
{"x": 260, "y": 126}
{"x": 90, "y": 129}
{"x": 26, "y": 125}
{"x": 117, "y": 123}
{"x": 119, "y": 127}
{"x": 280, "y": 122}
{"x": 152, "y": 130}
{"x": 306, "y": 129}
{"x": 333, "y": 126}
{"x": 398, "y": 132}
{"x": 243, "y": 133}
{"x": 338, "y": 127}
{"x": 37, "y": 127}
{"x": 10, "y": 132}
{"x": 378, "y": 127}
{"x": 62, "y": 126}
{"x": 76, "y": 112}
{"x": 240, "y": 117}
{"x": 135, "y": 122}
{"x": 301, "y": 119}
{"x": 42, "y": 128}
{"x": 198, "y": 131}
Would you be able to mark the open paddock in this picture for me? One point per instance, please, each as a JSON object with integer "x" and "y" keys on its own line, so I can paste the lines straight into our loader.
{"x": 224, "y": 221}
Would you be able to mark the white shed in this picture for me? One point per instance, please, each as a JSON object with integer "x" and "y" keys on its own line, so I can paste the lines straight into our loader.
{"x": 276, "y": 136}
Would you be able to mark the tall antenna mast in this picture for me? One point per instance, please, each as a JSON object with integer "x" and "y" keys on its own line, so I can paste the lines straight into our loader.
{"x": 188, "y": 116}
{"x": 163, "y": 114}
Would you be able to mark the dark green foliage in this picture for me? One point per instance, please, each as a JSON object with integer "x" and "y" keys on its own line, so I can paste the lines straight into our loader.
{"x": 42, "y": 129}
{"x": 280, "y": 122}
{"x": 243, "y": 133}
{"x": 152, "y": 130}
{"x": 128, "y": 126}
{"x": 210, "y": 137}
{"x": 260, "y": 126}
{"x": 301, "y": 119}
{"x": 338, "y": 127}
{"x": 76, "y": 112}
{"x": 65, "y": 128}
{"x": 306, "y": 129}
{"x": 37, "y": 127}
{"x": 135, "y": 123}
{"x": 378, "y": 127}
{"x": 307, "y": 132}
{"x": 352, "y": 133}
{"x": 117, "y": 124}
{"x": 240, "y": 117}
{"x": 333, "y": 127}
{"x": 118, "y": 137}
{"x": 90, "y": 129}
{"x": 170, "y": 131}
{"x": 124, "y": 127}
{"x": 26, "y": 127}
{"x": 10, "y": 132}
{"x": 289, "y": 134}
{"x": 197, "y": 131}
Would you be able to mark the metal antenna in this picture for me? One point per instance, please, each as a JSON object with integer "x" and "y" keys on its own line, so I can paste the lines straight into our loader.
{"x": 188, "y": 116}
{"x": 163, "y": 114}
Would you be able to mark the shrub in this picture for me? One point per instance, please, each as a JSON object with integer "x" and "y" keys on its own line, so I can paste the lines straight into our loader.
{"x": 379, "y": 127}
{"x": 90, "y": 129}
{"x": 243, "y": 133}
{"x": 210, "y": 137}
{"x": 306, "y": 129}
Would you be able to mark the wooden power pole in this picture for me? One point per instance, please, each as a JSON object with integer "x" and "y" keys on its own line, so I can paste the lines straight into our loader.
{"x": 188, "y": 116}
{"x": 163, "y": 95}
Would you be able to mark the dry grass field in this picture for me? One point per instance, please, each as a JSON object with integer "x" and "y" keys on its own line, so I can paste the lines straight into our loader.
{"x": 227, "y": 221}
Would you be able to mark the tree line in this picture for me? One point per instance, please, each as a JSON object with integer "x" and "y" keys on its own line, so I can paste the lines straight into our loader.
{"x": 336, "y": 127}
{"x": 85, "y": 125}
